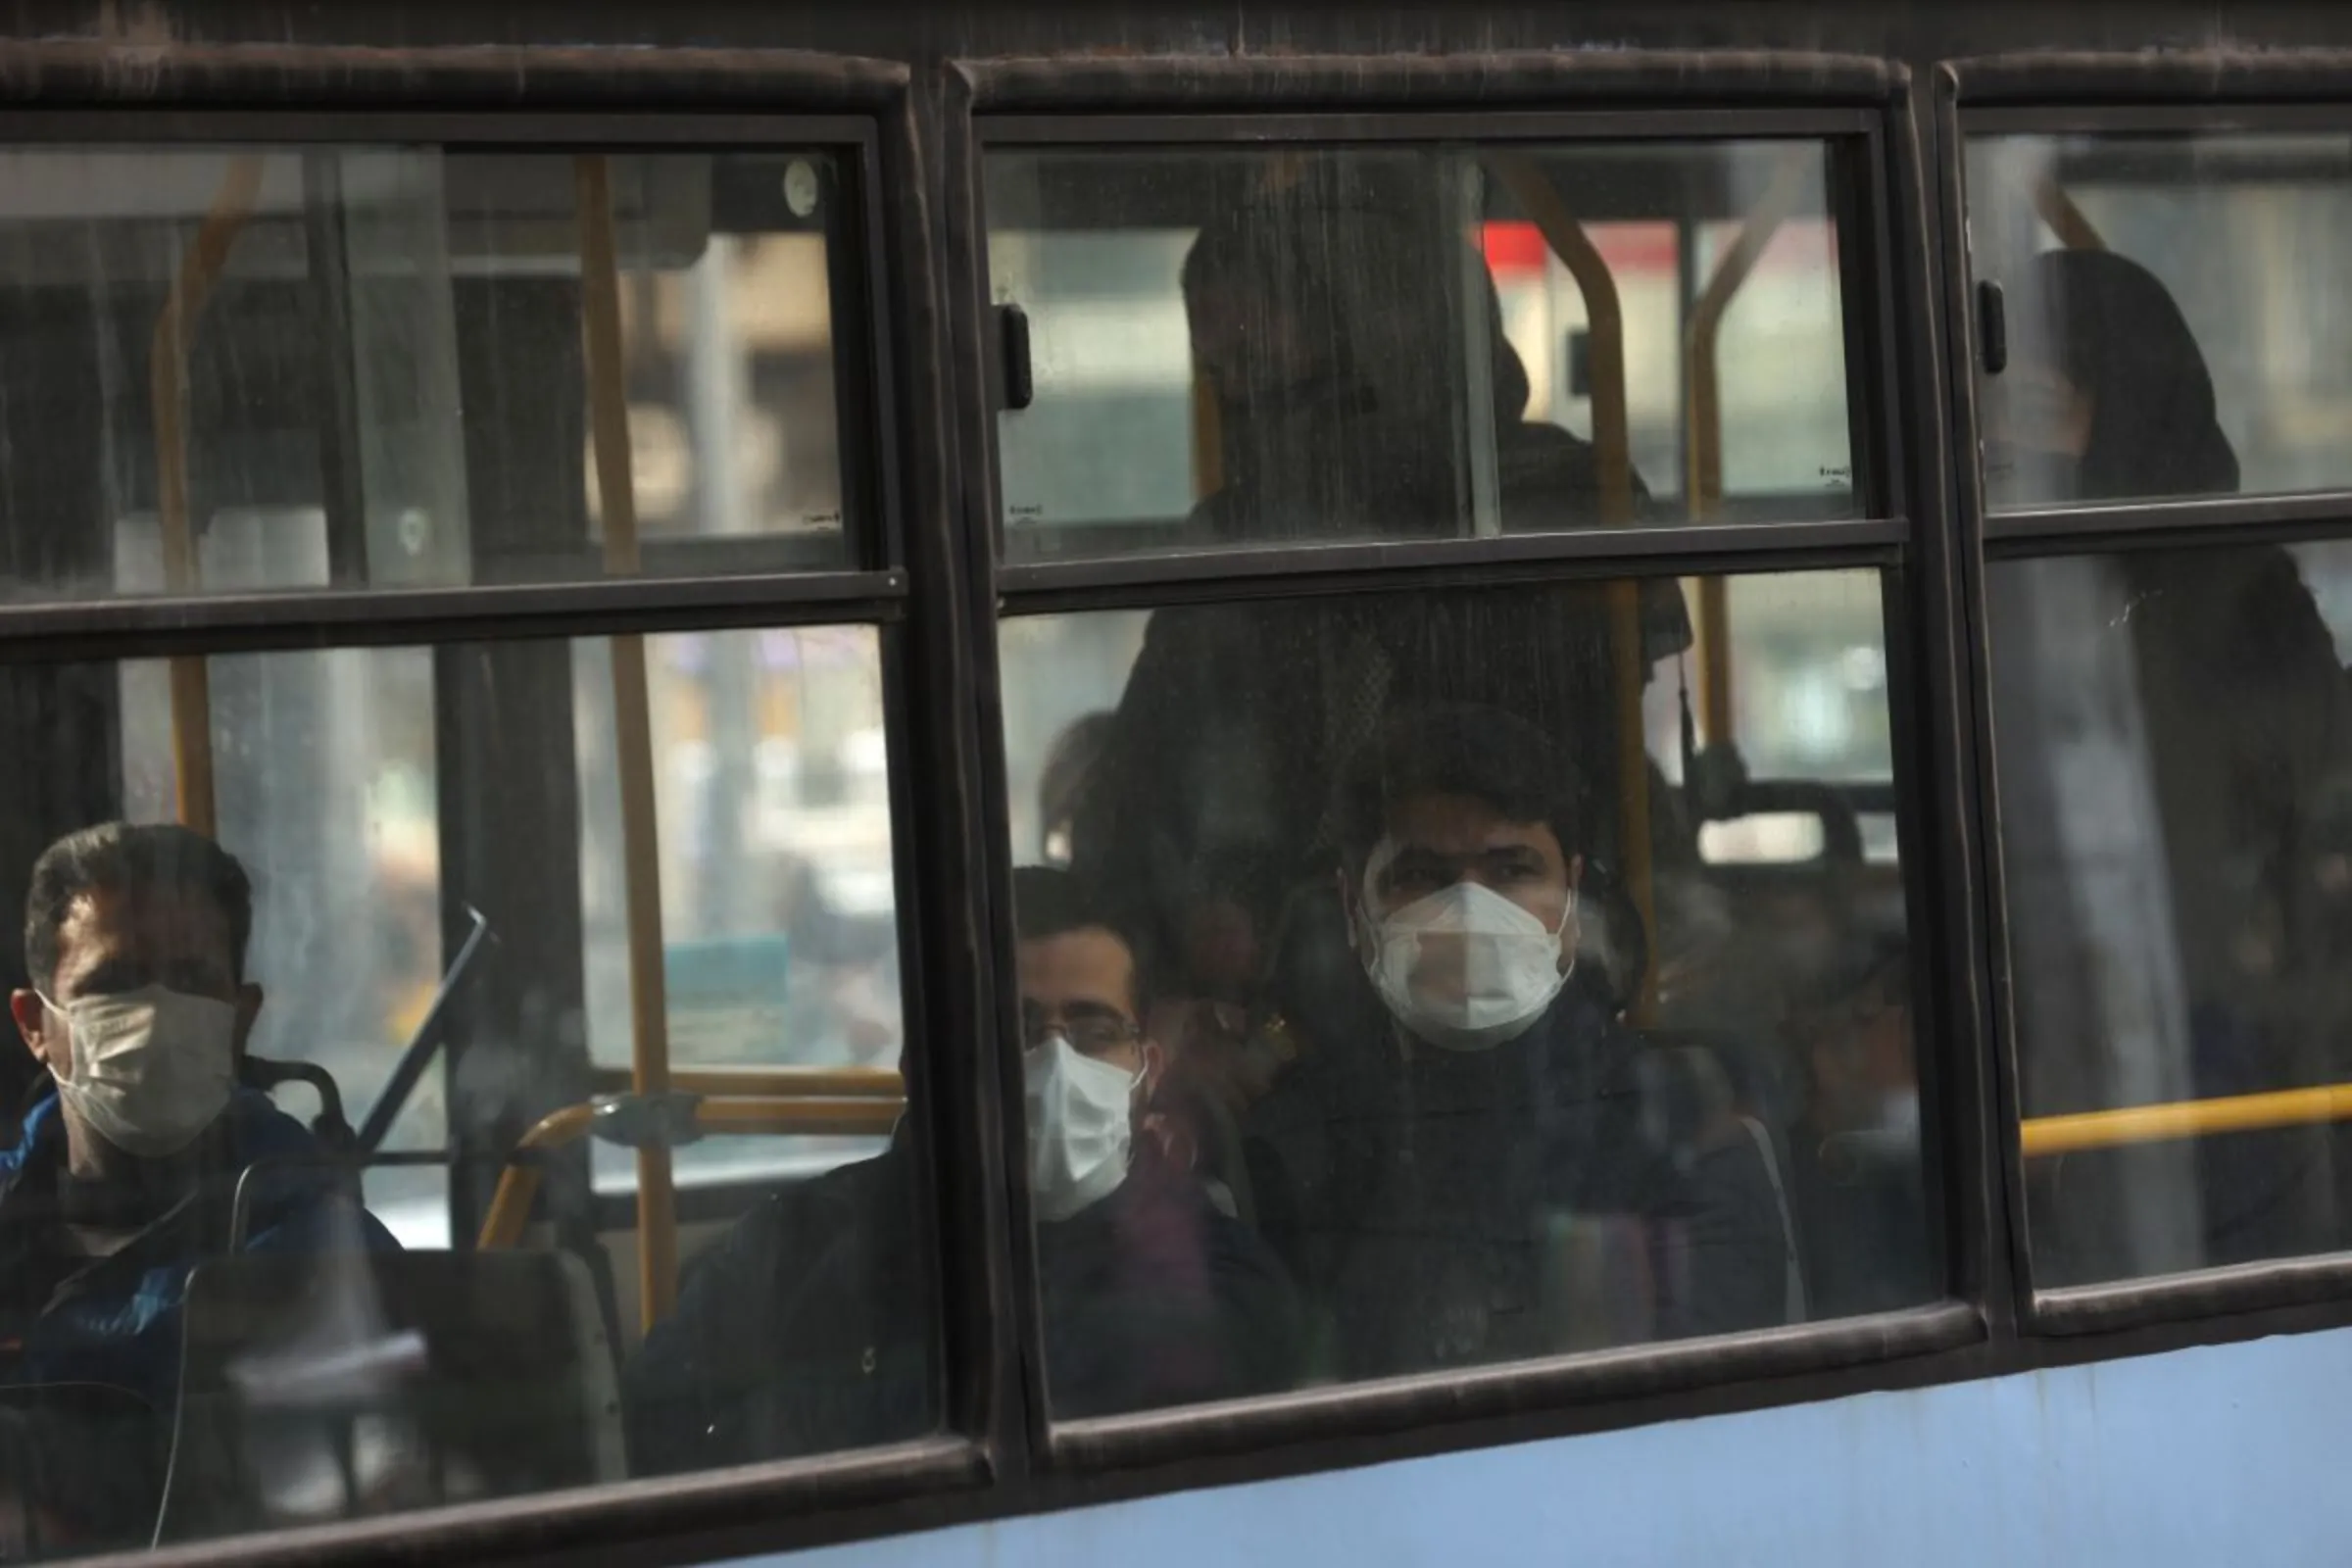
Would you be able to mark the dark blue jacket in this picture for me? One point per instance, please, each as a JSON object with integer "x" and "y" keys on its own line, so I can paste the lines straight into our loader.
{"x": 115, "y": 1320}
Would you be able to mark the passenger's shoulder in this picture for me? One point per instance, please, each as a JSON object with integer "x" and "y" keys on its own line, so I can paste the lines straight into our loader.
{"x": 858, "y": 1194}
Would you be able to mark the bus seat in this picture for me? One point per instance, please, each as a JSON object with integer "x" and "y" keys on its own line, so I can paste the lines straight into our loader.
{"x": 330, "y": 1127}
{"x": 323, "y": 1388}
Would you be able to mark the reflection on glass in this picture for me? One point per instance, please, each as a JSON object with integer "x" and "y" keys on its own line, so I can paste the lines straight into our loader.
{"x": 1405, "y": 1017}
{"x": 2175, "y": 794}
{"x": 316, "y": 410}
{"x": 2176, "y": 321}
{"x": 324, "y": 765}
{"x": 1250, "y": 347}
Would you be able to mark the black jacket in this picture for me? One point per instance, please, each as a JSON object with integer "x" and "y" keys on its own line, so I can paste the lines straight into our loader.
{"x": 1563, "y": 1190}
{"x": 811, "y": 1326}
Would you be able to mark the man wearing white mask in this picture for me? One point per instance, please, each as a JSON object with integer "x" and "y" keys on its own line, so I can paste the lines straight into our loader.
{"x": 125, "y": 1166}
{"x": 1153, "y": 1295}
{"x": 807, "y": 1328}
{"x": 1503, "y": 1170}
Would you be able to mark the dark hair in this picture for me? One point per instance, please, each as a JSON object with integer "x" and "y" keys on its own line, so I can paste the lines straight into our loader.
{"x": 1351, "y": 253}
{"x": 124, "y": 857}
{"x": 2119, "y": 336}
{"x": 1484, "y": 754}
{"x": 1049, "y": 902}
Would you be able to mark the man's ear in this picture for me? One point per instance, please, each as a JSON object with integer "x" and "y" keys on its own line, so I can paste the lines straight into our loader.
{"x": 1155, "y": 1062}
{"x": 249, "y": 1007}
{"x": 1572, "y": 926}
{"x": 31, "y": 1014}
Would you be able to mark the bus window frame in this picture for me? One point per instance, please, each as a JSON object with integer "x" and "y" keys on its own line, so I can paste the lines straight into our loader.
{"x": 555, "y": 101}
{"x": 2059, "y": 93}
{"x": 952, "y": 869}
{"x": 1848, "y": 136}
{"x": 1861, "y": 108}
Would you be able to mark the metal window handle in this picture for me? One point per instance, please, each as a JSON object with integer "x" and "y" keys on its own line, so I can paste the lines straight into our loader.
{"x": 1012, "y": 341}
{"x": 1992, "y": 327}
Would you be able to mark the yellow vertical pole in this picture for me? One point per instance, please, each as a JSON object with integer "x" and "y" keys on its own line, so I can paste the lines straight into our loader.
{"x": 200, "y": 268}
{"x": 1209, "y": 439}
{"x": 1613, "y": 451}
{"x": 1704, "y": 405}
{"x": 632, "y": 726}
{"x": 1714, "y": 662}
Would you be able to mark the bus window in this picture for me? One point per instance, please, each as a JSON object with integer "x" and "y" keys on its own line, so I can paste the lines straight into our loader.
{"x": 771, "y": 796}
{"x": 2115, "y": 255}
{"x": 2176, "y": 803}
{"x": 802, "y": 1324}
{"x": 1247, "y": 348}
{"x": 263, "y": 367}
{"x": 1401, "y": 1042}
{"x": 283, "y": 378}
{"x": 326, "y": 776}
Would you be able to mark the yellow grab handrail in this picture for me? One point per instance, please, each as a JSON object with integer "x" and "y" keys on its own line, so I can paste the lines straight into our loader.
{"x": 2058, "y": 210}
{"x": 2043, "y": 1136}
{"x": 1703, "y": 388}
{"x": 1715, "y": 661}
{"x": 1604, "y": 325}
{"x": 200, "y": 268}
{"x": 1703, "y": 395}
{"x": 844, "y": 1082}
{"x": 747, "y": 1116}
{"x": 1612, "y": 453}
{"x": 633, "y": 725}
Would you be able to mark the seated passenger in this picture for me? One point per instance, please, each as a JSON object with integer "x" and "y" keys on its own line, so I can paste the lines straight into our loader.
{"x": 1856, "y": 1167}
{"x": 808, "y": 1328}
{"x": 123, "y": 1178}
{"x": 124, "y": 1172}
{"x": 1496, "y": 1169}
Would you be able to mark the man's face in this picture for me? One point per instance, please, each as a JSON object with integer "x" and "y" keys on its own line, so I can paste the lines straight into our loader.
{"x": 1435, "y": 840}
{"x": 1083, "y": 984}
{"x": 115, "y": 940}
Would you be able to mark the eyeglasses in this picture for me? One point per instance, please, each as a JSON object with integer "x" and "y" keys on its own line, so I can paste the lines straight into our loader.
{"x": 1092, "y": 1034}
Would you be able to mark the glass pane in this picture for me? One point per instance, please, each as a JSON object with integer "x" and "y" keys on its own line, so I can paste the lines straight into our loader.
{"x": 772, "y": 792}
{"x": 1261, "y": 347}
{"x": 1434, "y": 1060}
{"x": 325, "y": 770}
{"x": 2175, "y": 792}
{"x": 234, "y": 370}
{"x": 2177, "y": 320}
{"x": 227, "y": 1320}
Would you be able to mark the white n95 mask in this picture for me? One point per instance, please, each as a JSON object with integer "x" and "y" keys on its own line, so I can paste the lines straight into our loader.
{"x": 150, "y": 1068}
{"x": 1510, "y": 966}
{"x": 1081, "y": 1127}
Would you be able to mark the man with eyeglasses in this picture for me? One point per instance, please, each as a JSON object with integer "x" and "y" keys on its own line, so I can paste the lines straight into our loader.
{"x": 809, "y": 1327}
{"x": 1152, "y": 1293}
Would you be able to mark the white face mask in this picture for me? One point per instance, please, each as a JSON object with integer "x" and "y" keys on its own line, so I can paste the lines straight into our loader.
{"x": 1081, "y": 1127}
{"x": 1510, "y": 965}
{"x": 149, "y": 1069}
